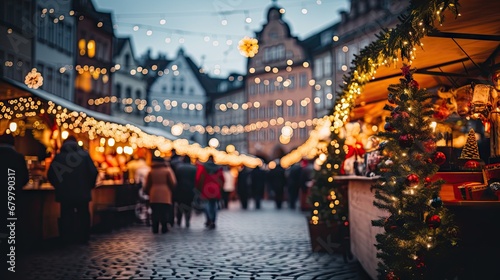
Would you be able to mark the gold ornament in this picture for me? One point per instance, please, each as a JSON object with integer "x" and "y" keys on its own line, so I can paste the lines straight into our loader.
{"x": 248, "y": 47}
{"x": 33, "y": 79}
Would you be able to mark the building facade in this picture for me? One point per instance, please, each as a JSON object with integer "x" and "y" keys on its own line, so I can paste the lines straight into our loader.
{"x": 178, "y": 99}
{"x": 278, "y": 90}
{"x": 129, "y": 84}
{"x": 54, "y": 50}
{"x": 94, "y": 56}
{"x": 226, "y": 112}
{"x": 18, "y": 34}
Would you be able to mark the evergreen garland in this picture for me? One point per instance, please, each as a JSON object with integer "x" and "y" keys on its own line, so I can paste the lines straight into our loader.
{"x": 420, "y": 236}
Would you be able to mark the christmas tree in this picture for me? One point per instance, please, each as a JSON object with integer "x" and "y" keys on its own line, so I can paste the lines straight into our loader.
{"x": 420, "y": 236}
{"x": 327, "y": 196}
{"x": 470, "y": 150}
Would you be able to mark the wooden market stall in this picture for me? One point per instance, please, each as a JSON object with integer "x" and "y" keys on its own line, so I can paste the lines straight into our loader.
{"x": 462, "y": 54}
{"x": 42, "y": 122}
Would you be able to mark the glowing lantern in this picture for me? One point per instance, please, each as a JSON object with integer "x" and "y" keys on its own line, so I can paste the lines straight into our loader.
{"x": 248, "y": 47}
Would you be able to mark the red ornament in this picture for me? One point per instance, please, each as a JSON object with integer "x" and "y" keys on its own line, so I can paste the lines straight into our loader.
{"x": 414, "y": 84}
{"x": 406, "y": 141}
{"x": 429, "y": 146}
{"x": 427, "y": 181}
{"x": 472, "y": 164}
{"x": 391, "y": 276}
{"x": 412, "y": 180}
{"x": 433, "y": 221}
{"x": 439, "y": 158}
{"x": 404, "y": 115}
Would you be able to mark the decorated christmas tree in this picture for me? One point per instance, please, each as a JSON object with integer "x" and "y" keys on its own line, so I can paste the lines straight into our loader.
{"x": 420, "y": 237}
{"x": 329, "y": 205}
{"x": 470, "y": 150}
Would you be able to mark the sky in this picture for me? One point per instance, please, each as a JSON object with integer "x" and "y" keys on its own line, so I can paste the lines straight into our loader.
{"x": 209, "y": 30}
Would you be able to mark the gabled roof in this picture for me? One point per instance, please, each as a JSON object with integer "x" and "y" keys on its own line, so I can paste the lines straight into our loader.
{"x": 208, "y": 83}
{"x": 118, "y": 45}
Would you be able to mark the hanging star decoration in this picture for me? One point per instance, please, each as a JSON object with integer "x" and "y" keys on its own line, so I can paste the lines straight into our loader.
{"x": 248, "y": 47}
{"x": 33, "y": 79}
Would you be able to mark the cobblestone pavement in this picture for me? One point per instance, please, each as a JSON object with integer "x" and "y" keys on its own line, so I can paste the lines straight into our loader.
{"x": 251, "y": 244}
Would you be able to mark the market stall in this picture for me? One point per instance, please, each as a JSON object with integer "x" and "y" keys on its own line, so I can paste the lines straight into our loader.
{"x": 435, "y": 111}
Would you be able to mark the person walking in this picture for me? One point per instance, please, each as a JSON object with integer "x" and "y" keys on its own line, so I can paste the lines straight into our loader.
{"x": 209, "y": 181}
{"x": 259, "y": 178}
{"x": 294, "y": 174}
{"x": 229, "y": 186}
{"x": 184, "y": 192}
{"x": 243, "y": 183}
{"x": 159, "y": 185}
{"x": 73, "y": 175}
{"x": 277, "y": 182}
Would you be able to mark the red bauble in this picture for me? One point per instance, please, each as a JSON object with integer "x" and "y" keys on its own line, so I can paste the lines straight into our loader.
{"x": 414, "y": 84}
{"x": 406, "y": 141}
{"x": 472, "y": 164}
{"x": 404, "y": 115}
{"x": 439, "y": 158}
{"x": 427, "y": 181}
{"x": 412, "y": 180}
{"x": 433, "y": 221}
{"x": 391, "y": 276}
{"x": 429, "y": 146}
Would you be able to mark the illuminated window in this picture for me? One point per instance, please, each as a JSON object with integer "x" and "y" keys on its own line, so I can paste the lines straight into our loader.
{"x": 91, "y": 48}
{"x": 82, "y": 46}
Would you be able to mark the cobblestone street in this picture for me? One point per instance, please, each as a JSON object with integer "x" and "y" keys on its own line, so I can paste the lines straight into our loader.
{"x": 251, "y": 244}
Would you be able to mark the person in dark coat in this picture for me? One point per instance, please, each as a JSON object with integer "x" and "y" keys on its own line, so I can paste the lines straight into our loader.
{"x": 243, "y": 185}
{"x": 73, "y": 175}
{"x": 277, "y": 182}
{"x": 12, "y": 160}
{"x": 293, "y": 184}
{"x": 185, "y": 172}
{"x": 258, "y": 185}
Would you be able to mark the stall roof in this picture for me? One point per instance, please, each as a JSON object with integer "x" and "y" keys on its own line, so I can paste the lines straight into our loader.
{"x": 10, "y": 89}
{"x": 466, "y": 49}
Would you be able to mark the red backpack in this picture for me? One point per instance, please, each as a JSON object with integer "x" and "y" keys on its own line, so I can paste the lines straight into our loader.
{"x": 210, "y": 185}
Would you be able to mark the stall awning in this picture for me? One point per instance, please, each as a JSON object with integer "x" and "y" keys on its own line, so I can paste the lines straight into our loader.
{"x": 10, "y": 89}
{"x": 466, "y": 49}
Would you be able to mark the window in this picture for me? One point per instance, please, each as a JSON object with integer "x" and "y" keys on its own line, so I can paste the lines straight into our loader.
{"x": 118, "y": 93}
{"x": 138, "y": 96}
{"x": 272, "y": 134}
{"x": 303, "y": 133}
{"x": 262, "y": 135}
{"x": 65, "y": 78}
{"x": 280, "y": 111}
{"x": 270, "y": 110}
{"x": 164, "y": 89}
{"x": 341, "y": 59}
{"x": 50, "y": 80}
{"x": 127, "y": 62}
{"x": 303, "y": 80}
{"x": 274, "y": 53}
{"x": 262, "y": 112}
{"x": 252, "y": 89}
{"x": 67, "y": 40}
{"x": 252, "y": 113}
{"x": 318, "y": 68}
{"x": 304, "y": 110}
{"x": 292, "y": 81}
{"x": 327, "y": 64}
{"x": 291, "y": 110}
